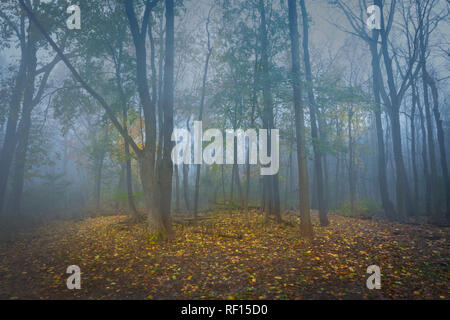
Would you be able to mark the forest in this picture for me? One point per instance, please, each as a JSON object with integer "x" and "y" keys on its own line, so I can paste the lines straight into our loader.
{"x": 224, "y": 149}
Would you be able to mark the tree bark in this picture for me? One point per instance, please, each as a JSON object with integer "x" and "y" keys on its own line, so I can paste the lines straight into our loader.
{"x": 413, "y": 146}
{"x": 404, "y": 204}
{"x": 200, "y": 116}
{"x": 425, "y": 158}
{"x": 351, "y": 178}
{"x": 271, "y": 182}
{"x": 431, "y": 149}
{"x": 441, "y": 141}
{"x": 314, "y": 132}
{"x": 25, "y": 123}
{"x": 10, "y": 139}
{"x": 388, "y": 207}
{"x": 305, "y": 218}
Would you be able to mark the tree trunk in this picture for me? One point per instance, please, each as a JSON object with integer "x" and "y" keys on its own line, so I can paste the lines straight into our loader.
{"x": 185, "y": 169}
{"x": 200, "y": 117}
{"x": 10, "y": 139}
{"x": 314, "y": 132}
{"x": 413, "y": 146}
{"x": 154, "y": 174}
{"x": 230, "y": 205}
{"x": 388, "y": 207}
{"x": 20, "y": 160}
{"x": 166, "y": 172}
{"x": 223, "y": 185}
{"x": 431, "y": 149}
{"x": 305, "y": 218}
{"x": 351, "y": 178}
{"x": 25, "y": 124}
{"x": 271, "y": 182}
{"x": 441, "y": 141}
{"x": 425, "y": 159}
{"x": 177, "y": 189}
{"x": 129, "y": 181}
{"x": 404, "y": 204}
{"x": 98, "y": 180}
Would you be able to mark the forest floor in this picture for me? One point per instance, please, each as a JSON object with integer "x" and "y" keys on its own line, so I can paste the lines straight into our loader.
{"x": 227, "y": 257}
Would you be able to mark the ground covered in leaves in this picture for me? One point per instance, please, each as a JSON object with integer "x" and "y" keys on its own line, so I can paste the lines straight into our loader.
{"x": 227, "y": 257}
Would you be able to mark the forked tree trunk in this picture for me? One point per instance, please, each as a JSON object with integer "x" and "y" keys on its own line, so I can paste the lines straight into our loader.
{"x": 404, "y": 203}
{"x": 166, "y": 172}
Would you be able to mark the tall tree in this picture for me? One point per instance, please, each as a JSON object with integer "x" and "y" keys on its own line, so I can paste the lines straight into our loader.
{"x": 270, "y": 182}
{"x": 318, "y": 170}
{"x": 10, "y": 138}
{"x": 166, "y": 172}
{"x": 305, "y": 219}
{"x": 202, "y": 106}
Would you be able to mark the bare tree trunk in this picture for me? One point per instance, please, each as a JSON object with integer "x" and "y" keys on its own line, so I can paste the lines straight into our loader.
{"x": 388, "y": 207}
{"x": 200, "y": 116}
{"x": 273, "y": 194}
{"x": 25, "y": 123}
{"x": 239, "y": 186}
{"x": 98, "y": 180}
{"x": 177, "y": 189}
{"x": 441, "y": 141}
{"x": 185, "y": 169}
{"x": 337, "y": 184}
{"x": 230, "y": 205}
{"x": 252, "y": 123}
{"x": 247, "y": 182}
{"x": 129, "y": 181}
{"x": 431, "y": 149}
{"x": 223, "y": 185}
{"x": 157, "y": 173}
{"x": 20, "y": 160}
{"x": 404, "y": 204}
{"x": 425, "y": 159}
{"x": 166, "y": 172}
{"x": 305, "y": 218}
{"x": 314, "y": 132}
{"x": 351, "y": 178}
{"x": 121, "y": 186}
{"x": 413, "y": 146}
{"x": 123, "y": 99}
{"x": 10, "y": 139}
